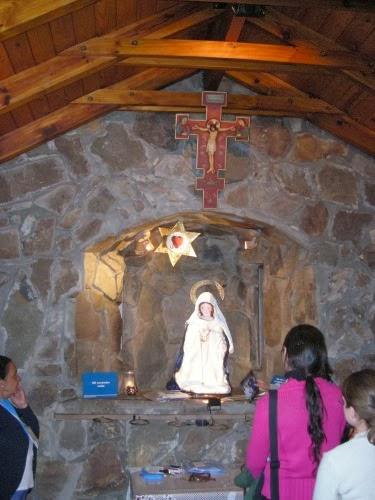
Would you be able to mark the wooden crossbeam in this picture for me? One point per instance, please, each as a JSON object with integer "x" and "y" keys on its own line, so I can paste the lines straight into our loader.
{"x": 222, "y": 55}
{"x": 167, "y": 101}
{"x": 72, "y": 65}
{"x": 362, "y": 5}
{"x": 22, "y": 15}
{"x": 46, "y": 77}
{"x": 340, "y": 125}
{"x": 297, "y": 34}
{"x": 50, "y": 126}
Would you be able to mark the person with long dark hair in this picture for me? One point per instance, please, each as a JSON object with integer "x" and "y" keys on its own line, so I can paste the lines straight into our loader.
{"x": 310, "y": 417}
{"x": 19, "y": 433}
{"x": 348, "y": 471}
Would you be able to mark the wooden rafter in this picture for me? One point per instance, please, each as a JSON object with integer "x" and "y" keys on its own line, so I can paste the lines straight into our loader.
{"x": 225, "y": 55}
{"x": 365, "y": 5}
{"x": 74, "y": 115}
{"x": 295, "y": 33}
{"x": 17, "y": 16}
{"x": 191, "y": 101}
{"x": 341, "y": 125}
{"x": 72, "y": 65}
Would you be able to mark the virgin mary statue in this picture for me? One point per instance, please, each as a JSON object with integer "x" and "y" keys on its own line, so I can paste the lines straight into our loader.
{"x": 205, "y": 350}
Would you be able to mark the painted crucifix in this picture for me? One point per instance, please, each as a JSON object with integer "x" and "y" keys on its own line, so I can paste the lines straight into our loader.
{"x": 212, "y": 133}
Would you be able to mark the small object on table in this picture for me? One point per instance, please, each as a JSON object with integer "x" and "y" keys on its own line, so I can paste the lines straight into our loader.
{"x": 201, "y": 476}
{"x": 172, "y": 470}
{"x": 149, "y": 476}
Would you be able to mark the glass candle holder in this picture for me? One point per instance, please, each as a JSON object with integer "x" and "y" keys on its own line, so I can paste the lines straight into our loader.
{"x": 129, "y": 385}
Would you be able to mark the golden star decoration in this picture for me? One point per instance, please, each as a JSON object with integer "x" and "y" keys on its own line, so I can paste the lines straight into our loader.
{"x": 177, "y": 242}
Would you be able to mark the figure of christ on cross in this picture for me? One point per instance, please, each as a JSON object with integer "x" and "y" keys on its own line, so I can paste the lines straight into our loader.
{"x": 212, "y": 134}
{"x": 213, "y": 128}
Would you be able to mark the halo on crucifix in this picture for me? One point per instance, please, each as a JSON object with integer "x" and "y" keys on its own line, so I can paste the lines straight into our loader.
{"x": 177, "y": 242}
{"x": 212, "y": 136}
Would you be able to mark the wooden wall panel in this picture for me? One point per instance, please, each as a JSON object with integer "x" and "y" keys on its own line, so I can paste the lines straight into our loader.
{"x": 126, "y": 12}
{"x": 146, "y": 8}
{"x": 56, "y": 99}
{"x": 108, "y": 76}
{"x": 6, "y": 68}
{"x": 19, "y": 16}
{"x": 84, "y": 23}
{"x": 340, "y": 90}
{"x": 7, "y": 123}
{"x": 314, "y": 18}
{"x": 255, "y": 34}
{"x": 90, "y": 83}
{"x": 63, "y": 33}
{"x": 42, "y": 47}
{"x": 363, "y": 110}
{"x": 294, "y": 12}
{"x": 105, "y": 16}
{"x": 19, "y": 52}
{"x": 21, "y": 57}
{"x": 39, "y": 107}
{"x": 357, "y": 31}
{"x": 22, "y": 115}
{"x": 368, "y": 46}
{"x": 41, "y": 43}
{"x": 335, "y": 23}
{"x": 164, "y": 4}
{"x": 74, "y": 90}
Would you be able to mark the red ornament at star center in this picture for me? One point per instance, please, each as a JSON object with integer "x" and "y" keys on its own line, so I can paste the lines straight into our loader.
{"x": 177, "y": 241}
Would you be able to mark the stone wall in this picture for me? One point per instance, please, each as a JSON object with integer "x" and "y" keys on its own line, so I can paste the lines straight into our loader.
{"x": 312, "y": 195}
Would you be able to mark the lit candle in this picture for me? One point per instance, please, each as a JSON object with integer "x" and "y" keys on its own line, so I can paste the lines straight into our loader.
{"x": 129, "y": 384}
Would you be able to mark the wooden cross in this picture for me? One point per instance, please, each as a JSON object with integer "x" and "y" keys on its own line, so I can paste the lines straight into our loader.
{"x": 212, "y": 134}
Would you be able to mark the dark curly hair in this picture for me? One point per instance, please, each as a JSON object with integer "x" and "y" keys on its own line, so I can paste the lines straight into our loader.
{"x": 307, "y": 354}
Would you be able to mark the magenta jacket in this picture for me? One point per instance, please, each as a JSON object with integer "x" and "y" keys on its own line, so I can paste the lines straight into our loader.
{"x": 297, "y": 470}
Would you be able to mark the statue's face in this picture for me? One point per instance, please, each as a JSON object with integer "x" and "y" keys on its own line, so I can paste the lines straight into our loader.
{"x": 206, "y": 310}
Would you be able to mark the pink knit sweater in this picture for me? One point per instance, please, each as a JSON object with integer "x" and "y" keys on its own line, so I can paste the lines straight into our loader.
{"x": 297, "y": 470}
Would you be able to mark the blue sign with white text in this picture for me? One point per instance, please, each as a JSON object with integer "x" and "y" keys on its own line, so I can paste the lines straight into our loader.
{"x": 99, "y": 384}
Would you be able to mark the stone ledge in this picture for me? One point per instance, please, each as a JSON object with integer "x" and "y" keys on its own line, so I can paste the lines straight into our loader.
{"x": 122, "y": 408}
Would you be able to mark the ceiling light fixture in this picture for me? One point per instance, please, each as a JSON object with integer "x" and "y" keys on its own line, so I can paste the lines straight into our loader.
{"x": 246, "y": 10}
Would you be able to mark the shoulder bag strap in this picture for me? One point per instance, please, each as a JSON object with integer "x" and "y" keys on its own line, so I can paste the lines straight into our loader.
{"x": 275, "y": 464}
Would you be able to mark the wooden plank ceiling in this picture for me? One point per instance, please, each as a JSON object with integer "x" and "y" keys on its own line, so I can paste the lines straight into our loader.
{"x": 66, "y": 62}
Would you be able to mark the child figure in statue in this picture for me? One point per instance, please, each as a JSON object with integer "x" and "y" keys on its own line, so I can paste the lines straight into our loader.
{"x": 205, "y": 350}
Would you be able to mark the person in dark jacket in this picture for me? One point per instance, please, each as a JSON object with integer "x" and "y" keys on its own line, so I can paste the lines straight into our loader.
{"x": 19, "y": 433}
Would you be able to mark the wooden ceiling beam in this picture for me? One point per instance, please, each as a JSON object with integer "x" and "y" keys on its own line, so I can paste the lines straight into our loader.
{"x": 340, "y": 125}
{"x": 254, "y": 105}
{"x": 74, "y": 115}
{"x": 73, "y": 65}
{"x": 297, "y": 34}
{"x": 209, "y": 54}
{"x": 362, "y": 5}
{"x": 19, "y": 16}
{"x": 201, "y": 63}
{"x": 211, "y": 79}
{"x": 46, "y": 77}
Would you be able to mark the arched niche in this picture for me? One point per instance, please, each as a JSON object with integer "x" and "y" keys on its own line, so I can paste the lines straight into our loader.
{"x": 132, "y": 310}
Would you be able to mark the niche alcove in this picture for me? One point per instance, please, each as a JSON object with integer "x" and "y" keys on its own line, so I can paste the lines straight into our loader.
{"x": 132, "y": 310}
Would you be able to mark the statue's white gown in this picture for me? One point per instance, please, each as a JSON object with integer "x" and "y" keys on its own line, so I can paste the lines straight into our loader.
{"x": 206, "y": 344}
